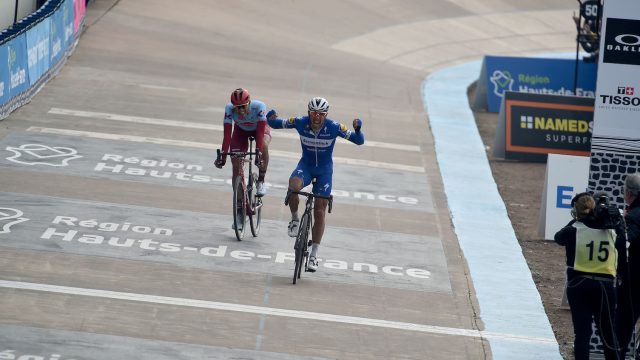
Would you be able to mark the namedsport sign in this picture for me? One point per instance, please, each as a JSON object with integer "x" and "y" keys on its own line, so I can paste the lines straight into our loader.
{"x": 530, "y": 126}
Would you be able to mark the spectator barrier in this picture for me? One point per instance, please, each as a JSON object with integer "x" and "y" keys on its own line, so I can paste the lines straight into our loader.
{"x": 36, "y": 48}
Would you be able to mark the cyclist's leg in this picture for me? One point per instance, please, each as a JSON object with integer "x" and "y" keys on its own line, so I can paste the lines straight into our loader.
{"x": 239, "y": 142}
{"x": 295, "y": 184}
{"x": 300, "y": 177}
{"x": 322, "y": 187}
{"x": 265, "y": 154}
{"x": 319, "y": 211}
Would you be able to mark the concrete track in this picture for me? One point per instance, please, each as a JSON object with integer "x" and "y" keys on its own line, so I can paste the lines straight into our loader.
{"x": 116, "y": 238}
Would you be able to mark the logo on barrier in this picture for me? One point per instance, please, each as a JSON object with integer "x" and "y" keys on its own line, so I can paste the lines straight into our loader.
{"x": 39, "y": 154}
{"x": 547, "y": 123}
{"x": 526, "y": 122}
{"x": 10, "y": 217}
{"x": 543, "y": 124}
{"x": 18, "y": 75}
{"x": 622, "y": 42}
{"x": 625, "y": 90}
{"x": 623, "y": 99}
{"x": 13, "y": 57}
{"x": 502, "y": 81}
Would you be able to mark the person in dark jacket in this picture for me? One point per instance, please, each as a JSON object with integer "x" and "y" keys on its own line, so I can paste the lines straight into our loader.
{"x": 629, "y": 290}
{"x": 592, "y": 249}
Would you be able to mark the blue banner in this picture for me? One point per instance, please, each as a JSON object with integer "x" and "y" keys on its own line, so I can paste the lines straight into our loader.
{"x": 536, "y": 75}
{"x": 4, "y": 74}
{"x": 57, "y": 43}
{"x": 17, "y": 57}
{"x": 67, "y": 20}
{"x": 38, "y": 49}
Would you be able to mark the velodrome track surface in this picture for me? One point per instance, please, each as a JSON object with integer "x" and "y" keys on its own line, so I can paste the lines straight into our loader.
{"x": 123, "y": 248}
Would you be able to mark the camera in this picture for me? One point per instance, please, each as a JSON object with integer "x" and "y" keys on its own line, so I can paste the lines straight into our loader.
{"x": 606, "y": 213}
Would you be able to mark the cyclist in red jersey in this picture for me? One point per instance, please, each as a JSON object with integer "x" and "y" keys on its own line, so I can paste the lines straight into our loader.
{"x": 244, "y": 117}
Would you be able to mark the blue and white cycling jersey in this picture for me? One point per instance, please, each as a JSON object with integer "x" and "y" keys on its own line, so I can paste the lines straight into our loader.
{"x": 257, "y": 112}
{"x": 317, "y": 148}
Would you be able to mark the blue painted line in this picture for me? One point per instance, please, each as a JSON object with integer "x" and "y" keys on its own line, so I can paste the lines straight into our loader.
{"x": 508, "y": 298}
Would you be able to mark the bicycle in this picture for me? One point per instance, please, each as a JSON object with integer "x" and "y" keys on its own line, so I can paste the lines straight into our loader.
{"x": 302, "y": 244}
{"x": 246, "y": 203}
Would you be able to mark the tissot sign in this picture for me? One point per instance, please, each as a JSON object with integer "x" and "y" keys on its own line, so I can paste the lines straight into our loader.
{"x": 622, "y": 41}
{"x": 620, "y": 98}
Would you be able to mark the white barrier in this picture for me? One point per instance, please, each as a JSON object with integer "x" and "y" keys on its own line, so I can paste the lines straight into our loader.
{"x": 566, "y": 175}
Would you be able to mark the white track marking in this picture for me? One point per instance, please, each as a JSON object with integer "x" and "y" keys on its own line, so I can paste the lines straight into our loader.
{"x": 202, "y": 126}
{"x": 211, "y": 146}
{"x": 260, "y": 310}
{"x": 158, "y": 87}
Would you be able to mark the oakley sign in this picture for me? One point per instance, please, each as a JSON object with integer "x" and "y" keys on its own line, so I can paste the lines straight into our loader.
{"x": 622, "y": 43}
{"x": 624, "y": 39}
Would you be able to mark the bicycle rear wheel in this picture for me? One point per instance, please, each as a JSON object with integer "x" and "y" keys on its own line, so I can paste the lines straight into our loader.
{"x": 256, "y": 206}
{"x": 301, "y": 246}
{"x": 239, "y": 207}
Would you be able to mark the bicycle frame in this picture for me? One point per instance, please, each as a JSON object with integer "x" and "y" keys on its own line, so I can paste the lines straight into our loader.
{"x": 242, "y": 156}
{"x": 302, "y": 244}
{"x": 244, "y": 200}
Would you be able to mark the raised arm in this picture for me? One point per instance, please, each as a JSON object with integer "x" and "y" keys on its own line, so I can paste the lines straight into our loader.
{"x": 356, "y": 136}
{"x": 275, "y": 123}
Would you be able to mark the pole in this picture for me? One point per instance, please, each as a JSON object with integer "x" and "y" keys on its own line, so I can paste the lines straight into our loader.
{"x": 575, "y": 73}
{"x": 15, "y": 13}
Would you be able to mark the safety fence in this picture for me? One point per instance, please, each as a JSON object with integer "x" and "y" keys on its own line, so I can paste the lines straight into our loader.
{"x": 36, "y": 48}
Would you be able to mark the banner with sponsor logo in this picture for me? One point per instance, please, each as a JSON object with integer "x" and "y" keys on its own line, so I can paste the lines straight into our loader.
{"x": 4, "y": 74}
{"x": 17, "y": 57}
{"x": 57, "y": 42}
{"x": 79, "y": 7}
{"x": 615, "y": 147}
{"x": 500, "y": 74}
{"x": 43, "y": 42}
{"x": 565, "y": 177}
{"x": 68, "y": 20}
{"x": 38, "y": 50}
{"x": 532, "y": 126}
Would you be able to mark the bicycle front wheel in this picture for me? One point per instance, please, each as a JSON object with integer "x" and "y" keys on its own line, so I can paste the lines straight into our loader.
{"x": 239, "y": 207}
{"x": 301, "y": 246}
{"x": 255, "y": 214}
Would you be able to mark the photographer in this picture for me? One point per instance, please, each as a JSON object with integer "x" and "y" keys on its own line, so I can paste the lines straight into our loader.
{"x": 592, "y": 241}
{"x": 629, "y": 290}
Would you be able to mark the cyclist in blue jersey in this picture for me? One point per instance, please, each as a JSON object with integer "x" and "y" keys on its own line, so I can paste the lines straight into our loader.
{"x": 317, "y": 138}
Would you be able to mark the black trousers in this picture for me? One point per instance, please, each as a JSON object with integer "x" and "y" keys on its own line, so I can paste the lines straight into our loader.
{"x": 590, "y": 297}
{"x": 628, "y": 310}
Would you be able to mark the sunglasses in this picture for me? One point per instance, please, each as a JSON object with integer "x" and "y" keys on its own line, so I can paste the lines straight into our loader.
{"x": 243, "y": 106}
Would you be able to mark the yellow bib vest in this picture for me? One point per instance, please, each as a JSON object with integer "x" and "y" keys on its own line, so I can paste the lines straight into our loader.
{"x": 595, "y": 250}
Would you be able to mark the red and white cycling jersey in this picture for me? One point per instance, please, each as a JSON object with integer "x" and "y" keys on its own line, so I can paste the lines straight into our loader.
{"x": 257, "y": 112}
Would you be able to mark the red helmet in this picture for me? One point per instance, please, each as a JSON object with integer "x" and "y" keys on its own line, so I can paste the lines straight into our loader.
{"x": 240, "y": 96}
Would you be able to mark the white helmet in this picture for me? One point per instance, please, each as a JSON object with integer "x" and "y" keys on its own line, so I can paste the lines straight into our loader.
{"x": 319, "y": 104}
